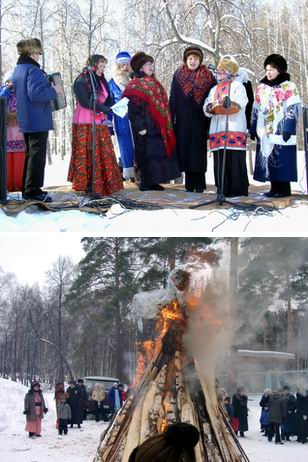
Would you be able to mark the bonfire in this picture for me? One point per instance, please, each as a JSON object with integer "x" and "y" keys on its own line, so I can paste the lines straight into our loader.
{"x": 170, "y": 385}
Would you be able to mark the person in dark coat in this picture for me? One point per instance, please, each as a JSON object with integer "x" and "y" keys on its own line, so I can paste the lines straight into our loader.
{"x": 275, "y": 114}
{"x": 264, "y": 418}
{"x": 302, "y": 416}
{"x": 149, "y": 114}
{"x": 288, "y": 423}
{"x": 115, "y": 397}
{"x": 240, "y": 409}
{"x": 276, "y": 414}
{"x": 33, "y": 96}
{"x": 84, "y": 397}
{"x": 228, "y": 407}
{"x": 190, "y": 86}
{"x": 35, "y": 409}
{"x": 73, "y": 400}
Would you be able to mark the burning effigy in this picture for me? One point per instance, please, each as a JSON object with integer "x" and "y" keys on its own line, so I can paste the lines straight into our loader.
{"x": 171, "y": 383}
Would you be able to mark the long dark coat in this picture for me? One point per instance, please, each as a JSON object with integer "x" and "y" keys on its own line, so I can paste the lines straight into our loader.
{"x": 240, "y": 410}
{"x": 301, "y": 423}
{"x": 73, "y": 400}
{"x": 150, "y": 153}
{"x": 191, "y": 128}
{"x": 30, "y": 405}
{"x": 276, "y": 406}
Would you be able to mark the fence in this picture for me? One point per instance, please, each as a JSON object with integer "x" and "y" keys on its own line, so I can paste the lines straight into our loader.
{"x": 256, "y": 382}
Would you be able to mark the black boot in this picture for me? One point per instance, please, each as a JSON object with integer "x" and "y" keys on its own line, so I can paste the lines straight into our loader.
{"x": 31, "y": 435}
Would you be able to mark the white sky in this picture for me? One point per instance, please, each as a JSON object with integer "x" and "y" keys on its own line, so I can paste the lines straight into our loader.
{"x": 29, "y": 255}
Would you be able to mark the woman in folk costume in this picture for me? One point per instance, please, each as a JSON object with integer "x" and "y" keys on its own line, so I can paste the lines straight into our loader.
{"x": 34, "y": 410}
{"x": 15, "y": 142}
{"x": 276, "y": 111}
{"x": 190, "y": 86}
{"x": 121, "y": 125}
{"x": 107, "y": 176}
{"x": 228, "y": 95}
{"x": 149, "y": 114}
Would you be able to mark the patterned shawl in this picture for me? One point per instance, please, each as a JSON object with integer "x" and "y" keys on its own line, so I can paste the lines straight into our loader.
{"x": 150, "y": 91}
{"x": 196, "y": 83}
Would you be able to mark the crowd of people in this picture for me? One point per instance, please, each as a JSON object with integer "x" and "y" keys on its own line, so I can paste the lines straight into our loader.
{"x": 283, "y": 414}
{"x": 159, "y": 138}
{"x": 72, "y": 405}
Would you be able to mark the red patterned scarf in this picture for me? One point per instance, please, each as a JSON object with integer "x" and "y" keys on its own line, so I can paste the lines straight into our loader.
{"x": 196, "y": 83}
{"x": 149, "y": 90}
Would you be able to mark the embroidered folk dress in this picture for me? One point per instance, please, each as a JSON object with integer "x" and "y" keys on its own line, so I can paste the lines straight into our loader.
{"x": 236, "y": 178}
{"x": 107, "y": 175}
{"x": 276, "y": 110}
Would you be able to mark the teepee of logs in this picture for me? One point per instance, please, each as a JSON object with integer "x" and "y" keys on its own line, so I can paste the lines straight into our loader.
{"x": 172, "y": 388}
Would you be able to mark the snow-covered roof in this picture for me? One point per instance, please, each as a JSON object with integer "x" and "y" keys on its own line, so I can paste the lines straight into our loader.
{"x": 266, "y": 354}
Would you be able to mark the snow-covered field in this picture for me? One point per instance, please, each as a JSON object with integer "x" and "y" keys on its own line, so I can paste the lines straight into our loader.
{"x": 167, "y": 222}
{"x": 80, "y": 445}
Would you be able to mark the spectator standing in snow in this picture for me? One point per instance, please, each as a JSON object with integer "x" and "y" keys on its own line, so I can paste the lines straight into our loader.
{"x": 190, "y": 86}
{"x": 73, "y": 399}
{"x": 115, "y": 397}
{"x": 276, "y": 414}
{"x": 275, "y": 114}
{"x": 288, "y": 423}
{"x": 84, "y": 397}
{"x": 98, "y": 395}
{"x": 240, "y": 409}
{"x": 34, "y": 410}
{"x": 228, "y": 407}
{"x": 264, "y": 419}
{"x": 63, "y": 414}
{"x": 302, "y": 416}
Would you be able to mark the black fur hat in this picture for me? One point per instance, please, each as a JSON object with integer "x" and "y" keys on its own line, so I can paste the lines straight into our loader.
{"x": 175, "y": 443}
{"x": 278, "y": 62}
{"x": 139, "y": 59}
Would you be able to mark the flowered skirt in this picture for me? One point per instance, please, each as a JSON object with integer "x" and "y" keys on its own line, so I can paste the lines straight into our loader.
{"x": 107, "y": 174}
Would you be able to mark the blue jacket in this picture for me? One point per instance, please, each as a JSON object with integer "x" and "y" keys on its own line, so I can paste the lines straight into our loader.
{"x": 33, "y": 94}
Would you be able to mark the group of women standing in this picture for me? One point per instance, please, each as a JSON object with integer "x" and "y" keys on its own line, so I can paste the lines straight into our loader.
{"x": 169, "y": 136}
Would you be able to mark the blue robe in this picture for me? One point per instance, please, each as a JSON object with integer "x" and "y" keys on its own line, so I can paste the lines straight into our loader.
{"x": 123, "y": 133}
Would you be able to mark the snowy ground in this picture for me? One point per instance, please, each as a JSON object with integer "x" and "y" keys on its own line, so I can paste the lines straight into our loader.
{"x": 16, "y": 446}
{"x": 80, "y": 445}
{"x": 168, "y": 222}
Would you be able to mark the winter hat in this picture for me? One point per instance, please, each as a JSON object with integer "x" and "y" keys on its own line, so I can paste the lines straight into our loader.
{"x": 29, "y": 46}
{"x": 8, "y": 76}
{"x": 139, "y": 59}
{"x": 80, "y": 381}
{"x": 193, "y": 50}
{"x": 278, "y": 62}
{"x": 72, "y": 382}
{"x": 173, "y": 445}
{"x": 229, "y": 65}
{"x": 35, "y": 383}
{"x": 123, "y": 57}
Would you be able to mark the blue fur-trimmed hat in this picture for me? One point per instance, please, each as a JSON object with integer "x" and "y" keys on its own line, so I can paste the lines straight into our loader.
{"x": 123, "y": 57}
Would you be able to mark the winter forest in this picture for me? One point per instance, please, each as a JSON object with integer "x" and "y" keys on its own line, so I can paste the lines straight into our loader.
{"x": 70, "y": 31}
{"x": 81, "y": 321}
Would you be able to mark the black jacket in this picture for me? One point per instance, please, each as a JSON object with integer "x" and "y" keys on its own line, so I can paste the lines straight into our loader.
{"x": 84, "y": 93}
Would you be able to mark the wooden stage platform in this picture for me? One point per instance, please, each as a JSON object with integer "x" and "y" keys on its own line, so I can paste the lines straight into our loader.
{"x": 174, "y": 196}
